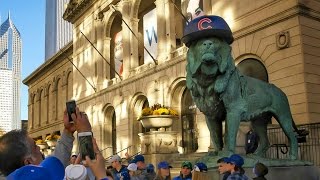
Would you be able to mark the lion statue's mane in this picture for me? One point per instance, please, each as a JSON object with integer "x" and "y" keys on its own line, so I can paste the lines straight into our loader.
{"x": 221, "y": 92}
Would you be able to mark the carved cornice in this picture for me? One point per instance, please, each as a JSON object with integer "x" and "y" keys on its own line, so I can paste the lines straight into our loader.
{"x": 75, "y": 8}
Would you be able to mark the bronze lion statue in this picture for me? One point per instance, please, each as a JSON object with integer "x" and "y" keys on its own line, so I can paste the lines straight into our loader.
{"x": 221, "y": 92}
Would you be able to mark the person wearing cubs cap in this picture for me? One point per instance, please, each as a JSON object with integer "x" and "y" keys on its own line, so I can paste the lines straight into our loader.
{"x": 199, "y": 171}
{"x": 118, "y": 168}
{"x": 222, "y": 168}
{"x": 185, "y": 173}
{"x": 163, "y": 172}
{"x": 142, "y": 171}
{"x": 234, "y": 166}
{"x": 18, "y": 149}
{"x": 132, "y": 169}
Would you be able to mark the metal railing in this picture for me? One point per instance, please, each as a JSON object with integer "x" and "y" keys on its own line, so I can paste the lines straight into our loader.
{"x": 127, "y": 148}
{"x": 308, "y": 146}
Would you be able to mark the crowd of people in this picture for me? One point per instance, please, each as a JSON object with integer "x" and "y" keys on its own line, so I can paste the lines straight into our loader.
{"x": 22, "y": 159}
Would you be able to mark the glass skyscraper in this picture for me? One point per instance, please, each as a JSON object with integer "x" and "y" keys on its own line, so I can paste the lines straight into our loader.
{"x": 58, "y": 32}
{"x": 10, "y": 76}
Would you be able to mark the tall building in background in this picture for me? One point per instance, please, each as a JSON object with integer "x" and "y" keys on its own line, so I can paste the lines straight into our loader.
{"x": 10, "y": 75}
{"x": 6, "y": 97}
{"x": 58, "y": 32}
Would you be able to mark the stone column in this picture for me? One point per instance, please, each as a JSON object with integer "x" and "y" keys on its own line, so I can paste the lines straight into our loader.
{"x": 161, "y": 31}
{"x": 106, "y": 54}
{"x": 203, "y": 134}
{"x": 30, "y": 116}
{"x": 126, "y": 34}
{"x": 170, "y": 28}
{"x": 54, "y": 105}
{"x": 99, "y": 60}
{"x": 37, "y": 111}
{"x": 134, "y": 56}
{"x": 46, "y": 96}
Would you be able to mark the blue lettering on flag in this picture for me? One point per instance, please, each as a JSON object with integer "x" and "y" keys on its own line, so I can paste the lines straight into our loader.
{"x": 150, "y": 36}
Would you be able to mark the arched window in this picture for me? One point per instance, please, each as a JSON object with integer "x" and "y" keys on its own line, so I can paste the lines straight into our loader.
{"x": 110, "y": 131}
{"x": 188, "y": 123}
{"x": 253, "y": 68}
{"x": 116, "y": 53}
{"x": 147, "y": 29}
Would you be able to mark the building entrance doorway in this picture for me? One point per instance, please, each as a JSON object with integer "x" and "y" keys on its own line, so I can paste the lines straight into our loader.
{"x": 188, "y": 123}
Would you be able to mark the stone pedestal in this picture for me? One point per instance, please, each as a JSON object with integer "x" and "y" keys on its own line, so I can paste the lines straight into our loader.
{"x": 159, "y": 142}
{"x": 290, "y": 172}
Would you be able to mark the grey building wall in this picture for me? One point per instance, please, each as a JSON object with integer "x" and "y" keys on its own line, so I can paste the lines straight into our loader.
{"x": 58, "y": 32}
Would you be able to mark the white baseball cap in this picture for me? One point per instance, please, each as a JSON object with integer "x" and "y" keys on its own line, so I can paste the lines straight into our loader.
{"x": 132, "y": 167}
{"x": 76, "y": 172}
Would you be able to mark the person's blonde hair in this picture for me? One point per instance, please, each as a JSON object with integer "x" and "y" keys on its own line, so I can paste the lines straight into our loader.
{"x": 196, "y": 175}
{"x": 134, "y": 173}
{"x": 158, "y": 176}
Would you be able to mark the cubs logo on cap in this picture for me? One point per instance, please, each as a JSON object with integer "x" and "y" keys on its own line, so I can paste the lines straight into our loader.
{"x": 206, "y": 26}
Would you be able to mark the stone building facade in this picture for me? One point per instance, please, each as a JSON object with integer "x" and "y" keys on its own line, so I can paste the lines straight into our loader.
{"x": 50, "y": 85}
{"x": 276, "y": 41}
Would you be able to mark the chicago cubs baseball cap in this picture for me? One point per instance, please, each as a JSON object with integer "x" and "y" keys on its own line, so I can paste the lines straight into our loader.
{"x": 200, "y": 167}
{"x": 138, "y": 158}
{"x": 235, "y": 159}
{"x": 164, "y": 165}
{"x": 206, "y": 26}
{"x": 50, "y": 168}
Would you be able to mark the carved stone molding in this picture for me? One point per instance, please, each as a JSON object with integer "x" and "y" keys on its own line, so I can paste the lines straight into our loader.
{"x": 75, "y": 8}
{"x": 283, "y": 40}
{"x": 163, "y": 142}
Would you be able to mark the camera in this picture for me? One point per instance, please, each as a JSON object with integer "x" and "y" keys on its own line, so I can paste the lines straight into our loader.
{"x": 86, "y": 146}
{"x": 71, "y": 108}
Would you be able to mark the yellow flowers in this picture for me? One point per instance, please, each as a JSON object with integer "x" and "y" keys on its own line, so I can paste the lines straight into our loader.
{"x": 39, "y": 141}
{"x": 158, "y": 109}
{"x": 52, "y": 137}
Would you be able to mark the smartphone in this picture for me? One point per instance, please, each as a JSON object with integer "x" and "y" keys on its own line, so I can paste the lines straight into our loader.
{"x": 71, "y": 108}
{"x": 86, "y": 146}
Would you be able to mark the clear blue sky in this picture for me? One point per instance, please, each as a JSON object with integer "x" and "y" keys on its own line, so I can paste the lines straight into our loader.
{"x": 29, "y": 18}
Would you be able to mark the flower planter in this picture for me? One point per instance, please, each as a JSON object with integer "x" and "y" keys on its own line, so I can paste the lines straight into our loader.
{"x": 51, "y": 143}
{"x": 157, "y": 121}
{"x": 42, "y": 146}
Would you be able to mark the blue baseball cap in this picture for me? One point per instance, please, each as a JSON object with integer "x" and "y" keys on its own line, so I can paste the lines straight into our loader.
{"x": 138, "y": 158}
{"x": 222, "y": 160}
{"x": 164, "y": 165}
{"x": 235, "y": 159}
{"x": 150, "y": 167}
{"x": 50, "y": 168}
{"x": 206, "y": 26}
{"x": 201, "y": 167}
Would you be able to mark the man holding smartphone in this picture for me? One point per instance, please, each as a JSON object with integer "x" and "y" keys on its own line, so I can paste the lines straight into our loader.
{"x": 65, "y": 144}
{"x": 22, "y": 150}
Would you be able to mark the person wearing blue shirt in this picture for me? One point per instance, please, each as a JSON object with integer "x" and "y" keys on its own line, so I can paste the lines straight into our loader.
{"x": 118, "y": 170}
{"x": 185, "y": 173}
